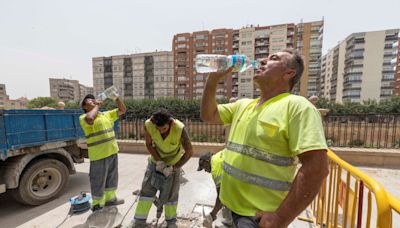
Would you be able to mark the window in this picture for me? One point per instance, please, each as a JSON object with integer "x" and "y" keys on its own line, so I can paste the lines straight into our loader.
{"x": 277, "y": 39}
{"x": 245, "y": 43}
{"x": 200, "y": 36}
{"x": 181, "y": 38}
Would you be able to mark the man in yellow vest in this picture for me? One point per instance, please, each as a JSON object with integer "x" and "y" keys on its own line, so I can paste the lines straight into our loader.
{"x": 213, "y": 164}
{"x": 102, "y": 148}
{"x": 170, "y": 148}
{"x": 268, "y": 136}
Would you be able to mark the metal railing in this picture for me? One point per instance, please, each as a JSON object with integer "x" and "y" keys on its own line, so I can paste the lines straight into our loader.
{"x": 132, "y": 128}
{"x": 356, "y": 130}
{"x": 363, "y": 130}
{"x": 349, "y": 198}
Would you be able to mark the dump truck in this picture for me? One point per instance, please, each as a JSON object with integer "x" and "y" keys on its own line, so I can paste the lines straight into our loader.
{"x": 38, "y": 149}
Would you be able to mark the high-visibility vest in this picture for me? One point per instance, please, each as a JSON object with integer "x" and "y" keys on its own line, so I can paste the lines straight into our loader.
{"x": 169, "y": 149}
{"x": 259, "y": 160}
{"x": 216, "y": 167}
{"x": 100, "y": 136}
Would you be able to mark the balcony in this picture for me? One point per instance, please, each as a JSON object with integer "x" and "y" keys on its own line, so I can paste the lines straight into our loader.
{"x": 261, "y": 51}
{"x": 261, "y": 43}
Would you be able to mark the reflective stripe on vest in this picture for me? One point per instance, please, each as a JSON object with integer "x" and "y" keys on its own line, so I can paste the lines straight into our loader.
{"x": 218, "y": 178}
{"x": 255, "y": 179}
{"x": 100, "y": 141}
{"x": 167, "y": 157}
{"x": 99, "y": 133}
{"x": 260, "y": 154}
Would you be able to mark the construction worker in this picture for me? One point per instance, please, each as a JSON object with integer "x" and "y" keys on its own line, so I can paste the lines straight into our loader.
{"x": 268, "y": 136}
{"x": 170, "y": 148}
{"x": 213, "y": 164}
{"x": 102, "y": 149}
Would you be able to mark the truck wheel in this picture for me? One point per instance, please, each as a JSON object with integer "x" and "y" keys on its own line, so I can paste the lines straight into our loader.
{"x": 41, "y": 182}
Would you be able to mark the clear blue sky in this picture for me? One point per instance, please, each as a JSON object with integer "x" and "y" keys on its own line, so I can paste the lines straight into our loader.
{"x": 53, "y": 38}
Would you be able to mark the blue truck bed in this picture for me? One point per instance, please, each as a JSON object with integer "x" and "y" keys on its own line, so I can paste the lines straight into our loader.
{"x": 31, "y": 128}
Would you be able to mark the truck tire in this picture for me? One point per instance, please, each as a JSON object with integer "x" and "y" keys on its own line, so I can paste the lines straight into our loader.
{"x": 41, "y": 182}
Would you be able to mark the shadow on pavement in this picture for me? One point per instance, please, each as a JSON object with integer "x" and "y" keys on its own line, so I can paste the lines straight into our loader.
{"x": 108, "y": 217}
{"x": 10, "y": 210}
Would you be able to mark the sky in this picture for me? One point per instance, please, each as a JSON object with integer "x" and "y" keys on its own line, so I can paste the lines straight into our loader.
{"x": 44, "y": 39}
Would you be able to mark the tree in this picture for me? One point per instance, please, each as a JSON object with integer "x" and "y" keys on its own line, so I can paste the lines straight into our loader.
{"x": 40, "y": 102}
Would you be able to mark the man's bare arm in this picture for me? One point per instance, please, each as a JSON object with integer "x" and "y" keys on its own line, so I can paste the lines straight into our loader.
{"x": 121, "y": 106}
{"x": 208, "y": 109}
{"x": 187, "y": 146}
{"x": 149, "y": 145}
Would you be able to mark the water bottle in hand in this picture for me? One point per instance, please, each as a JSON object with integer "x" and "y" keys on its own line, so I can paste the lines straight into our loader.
{"x": 110, "y": 92}
{"x": 207, "y": 63}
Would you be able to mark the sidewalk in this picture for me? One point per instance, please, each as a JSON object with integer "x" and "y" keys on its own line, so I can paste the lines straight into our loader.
{"x": 198, "y": 188}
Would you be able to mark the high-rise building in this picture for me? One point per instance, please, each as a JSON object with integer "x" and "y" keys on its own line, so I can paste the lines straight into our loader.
{"x": 188, "y": 83}
{"x": 253, "y": 41}
{"x": 396, "y": 62}
{"x": 308, "y": 40}
{"x": 136, "y": 76}
{"x": 363, "y": 67}
{"x": 67, "y": 90}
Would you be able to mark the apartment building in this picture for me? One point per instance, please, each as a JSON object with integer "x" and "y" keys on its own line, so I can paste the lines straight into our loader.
{"x": 136, "y": 76}
{"x": 65, "y": 89}
{"x": 363, "y": 67}
{"x": 396, "y": 66}
{"x": 7, "y": 103}
{"x": 83, "y": 90}
{"x": 308, "y": 40}
{"x": 3, "y": 96}
{"x": 253, "y": 41}
{"x": 188, "y": 83}
{"x": 20, "y": 103}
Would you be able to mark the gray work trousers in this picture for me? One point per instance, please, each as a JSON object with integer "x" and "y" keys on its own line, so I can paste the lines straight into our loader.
{"x": 103, "y": 177}
{"x": 244, "y": 221}
{"x": 168, "y": 188}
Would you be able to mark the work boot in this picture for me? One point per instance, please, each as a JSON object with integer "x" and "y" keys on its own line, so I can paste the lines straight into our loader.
{"x": 115, "y": 202}
{"x": 172, "y": 225}
{"x": 137, "y": 223}
{"x": 96, "y": 207}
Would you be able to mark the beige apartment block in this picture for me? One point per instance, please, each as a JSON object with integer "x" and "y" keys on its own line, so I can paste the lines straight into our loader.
{"x": 308, "y": 40}
{"x": 20, "y": 103}
{"x": 66, "y": 89}
{"x": 253, "y": 41}
{"x": 363, "y": 67}
{"x": 136, "y": 76}
{"x": 396, "y": 66}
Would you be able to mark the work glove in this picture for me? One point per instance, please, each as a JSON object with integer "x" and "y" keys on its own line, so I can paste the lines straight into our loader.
{"x": 160, "y": 165}
{"x": 207, "y": 221}
{"x": 167, "y": 171}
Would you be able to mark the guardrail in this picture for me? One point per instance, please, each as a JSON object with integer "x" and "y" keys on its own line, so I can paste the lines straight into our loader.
{"x": 350, "y": 198}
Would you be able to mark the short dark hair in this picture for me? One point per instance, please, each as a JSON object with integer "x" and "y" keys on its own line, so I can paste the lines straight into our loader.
{"x": 297, "y": 63}
{"x": 161, "y": 117}
{"x": 83, "y": 102}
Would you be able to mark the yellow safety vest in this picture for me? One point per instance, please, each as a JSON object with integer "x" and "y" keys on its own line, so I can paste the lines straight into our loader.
{"x": 261, "y": 155}
{"x": 169, "y": 149}
{"x": 216, "y": 167}
{"x": 100, "y": 136}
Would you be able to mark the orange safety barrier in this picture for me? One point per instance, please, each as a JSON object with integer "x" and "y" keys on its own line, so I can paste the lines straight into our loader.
{"x": 350, "y": 198}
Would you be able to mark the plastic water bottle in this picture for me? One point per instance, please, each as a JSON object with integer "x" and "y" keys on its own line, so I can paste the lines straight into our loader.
{"x": 110, "y": 92}
{"x": 206, "y": 63}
